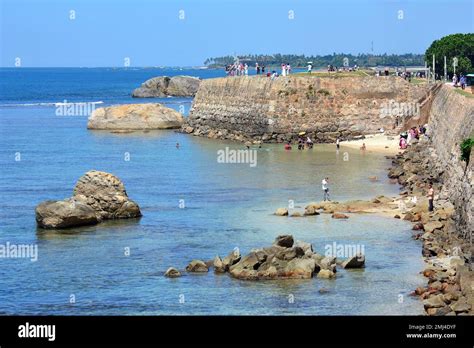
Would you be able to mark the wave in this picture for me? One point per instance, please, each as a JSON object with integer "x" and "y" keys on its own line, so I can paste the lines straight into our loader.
{"x": 51, "y": 104}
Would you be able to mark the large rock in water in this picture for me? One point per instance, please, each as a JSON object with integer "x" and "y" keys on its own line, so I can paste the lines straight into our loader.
{"x": 97, "y": 196}
{"x": 135, "y": 117}
{"x": 63, "y": 214}
{"x": 162, "y": 86}
{"x": 280, "y": 261}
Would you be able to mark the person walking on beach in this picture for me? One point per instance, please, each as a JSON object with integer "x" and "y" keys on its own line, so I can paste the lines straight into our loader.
{"x": 310, "y": 68}
{"x": 430, "y": 197}
{"x": 325, "y": 187}
{"x": 246, "y": 69}
{"x": 337, "y": 143}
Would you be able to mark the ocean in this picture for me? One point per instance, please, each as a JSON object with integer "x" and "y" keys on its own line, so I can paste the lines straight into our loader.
{"x": 193, "y": 208}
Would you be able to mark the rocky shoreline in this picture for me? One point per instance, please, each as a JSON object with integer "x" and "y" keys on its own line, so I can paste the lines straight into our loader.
{"x": 449, "y": 289}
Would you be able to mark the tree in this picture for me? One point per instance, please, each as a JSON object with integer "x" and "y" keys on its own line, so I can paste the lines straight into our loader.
{"x": 460, "y": 46}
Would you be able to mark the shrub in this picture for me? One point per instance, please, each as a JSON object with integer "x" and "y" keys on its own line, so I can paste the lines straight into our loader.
{"x": 466, "y": 146}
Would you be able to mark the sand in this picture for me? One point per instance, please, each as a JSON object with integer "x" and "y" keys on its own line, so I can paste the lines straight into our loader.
{"x": 379, "y": 143}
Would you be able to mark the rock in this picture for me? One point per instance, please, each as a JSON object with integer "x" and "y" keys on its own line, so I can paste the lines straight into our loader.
{"x": 307, "y": 247}
{"x": 172, "y": 273}
{"x": 418, "y": 226}
{"x": 456, "y": 261}
{"x": 219, "y": 266}
{"x": 373, "y": 178}
{"x": 328, "y": 262}
{"x": 339, "y": 216}
{"x": 63, "y": 214}
{"x": 323, "y": 291}
{"x": 284, "y": 241}
{"x": 420, "y": 290}
{"x": 310, "y": 210}
{"x": 396, "y": 216}
{"x": 356, "y": 261}
{"x": 197, "y": 266}
{"x": 135, "y": 116}
{"x": 162, "y": 86}
{"x": 296, "y": 214}
{"x": 281, "y": 212}
{"x": 231, "y": 259}
{"x": 432, "y": 225}
{"x": 434, "y": 301}
{"x": 409, "y": 217}
{"x": 441, "y": 311}
{"x": 289, "y": 253}
{"x": 106, "y": 194}
{"x": 325, "y": 274}
{"x": 460, "y": 306}
{"x": 97, "y": 196}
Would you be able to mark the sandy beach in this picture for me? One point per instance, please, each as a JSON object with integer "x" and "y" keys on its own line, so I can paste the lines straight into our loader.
{"x": 376, "y": 143}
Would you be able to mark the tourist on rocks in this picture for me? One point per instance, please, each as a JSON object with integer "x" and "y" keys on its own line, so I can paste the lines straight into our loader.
{"x": 300, "y": 143}
{"x": 288, "y": 146}
{"x": 337, "y": 143}
{"x": 283, "y": 69}
{"x": 288, "y": 69}
{"x": 455, "y": 80}
{"x": 430, "y": 197}
{"x": 403, "y": 143}
{"x": 325, "y": 187}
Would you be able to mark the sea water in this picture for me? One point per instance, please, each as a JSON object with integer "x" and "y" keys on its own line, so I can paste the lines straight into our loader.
{"x": 194, "y": 207}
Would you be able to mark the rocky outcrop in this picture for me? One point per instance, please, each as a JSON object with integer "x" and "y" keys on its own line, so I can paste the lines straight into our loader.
{"x": 163, "y": 86}
{"x": 97, "y": 196}
{"x": 261, "y": 109}
{"x": 135, "y": 117}
{"x": 197, "y": 266}
{"x": 172, "y": 273}
{"x": 447, "y": 232}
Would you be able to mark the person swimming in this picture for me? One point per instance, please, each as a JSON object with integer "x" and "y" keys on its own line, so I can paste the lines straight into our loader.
{"x": 288, "y": 146}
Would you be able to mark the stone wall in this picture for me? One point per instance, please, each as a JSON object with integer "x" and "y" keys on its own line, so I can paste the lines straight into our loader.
{"x": 261, "y": 109}
{"x": 451, "y": 121}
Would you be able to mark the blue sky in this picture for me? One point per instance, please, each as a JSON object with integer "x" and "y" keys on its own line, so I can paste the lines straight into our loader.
{"x": 151, "y": 33}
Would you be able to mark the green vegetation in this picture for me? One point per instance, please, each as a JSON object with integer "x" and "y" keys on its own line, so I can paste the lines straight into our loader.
{"x": 460, "y": 46}
{"x": 464, "y": 93}
{"x": 335, "y": 59}
{"x": 466, "y": 146}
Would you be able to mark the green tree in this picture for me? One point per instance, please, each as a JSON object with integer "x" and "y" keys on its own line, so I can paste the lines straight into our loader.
{"x": 460, "y": 46}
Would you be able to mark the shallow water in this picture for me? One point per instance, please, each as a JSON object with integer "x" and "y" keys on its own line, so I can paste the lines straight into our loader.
{"x": 226, "y": 206}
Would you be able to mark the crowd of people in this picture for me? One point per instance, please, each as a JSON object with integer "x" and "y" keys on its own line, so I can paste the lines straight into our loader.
{"x": 303, "y": 143}
{"x": 413, "y": 133}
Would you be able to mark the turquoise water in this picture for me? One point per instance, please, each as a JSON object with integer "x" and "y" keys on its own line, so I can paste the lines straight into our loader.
{"x": 226, "y": 206}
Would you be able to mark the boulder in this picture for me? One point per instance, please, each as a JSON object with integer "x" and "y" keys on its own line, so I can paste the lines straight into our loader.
{"x": 63, "y": 214}
{"x": 296, "y": 214}
{"x": 162, "y": 86}
{"x": 356, "y": 261}
{"x": 434, "y": 301}
{"x": 219, "y": 265}
{"x": 172, "y": 273}
{"x": 284, "y": 241}
{"x": 197, "y": 266}
{"x": 310, "y": 210}
{"x": 325, "y": 274}
{"x": 135, "y": 117}
{"x": 307, "y": 247}
{"x": 106, "y": 194}
{"x": 231, "y": 259}
{"x": 339, "y": 216}
{"x": 97, "y": 196}
{"x": 281, "y": 212}
{"x": 432, "y": 225}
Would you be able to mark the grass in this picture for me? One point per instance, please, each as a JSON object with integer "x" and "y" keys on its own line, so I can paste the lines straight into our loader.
{"x": 358, "y": 73}
{"x": 464, "y": 93}
{"x": 417, "y": 81}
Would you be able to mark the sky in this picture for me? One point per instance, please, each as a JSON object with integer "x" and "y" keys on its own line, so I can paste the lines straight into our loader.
{"x": 106, "y": 33}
